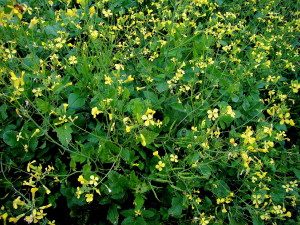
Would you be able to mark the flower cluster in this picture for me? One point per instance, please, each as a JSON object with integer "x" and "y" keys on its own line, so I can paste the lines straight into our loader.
{"x": 88, "y": 187}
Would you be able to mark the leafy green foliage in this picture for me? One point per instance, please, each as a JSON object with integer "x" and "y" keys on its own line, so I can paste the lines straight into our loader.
{"x": 149, "y": 112}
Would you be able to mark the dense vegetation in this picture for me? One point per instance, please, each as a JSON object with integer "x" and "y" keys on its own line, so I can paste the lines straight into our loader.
{"x": 149, "y": 112}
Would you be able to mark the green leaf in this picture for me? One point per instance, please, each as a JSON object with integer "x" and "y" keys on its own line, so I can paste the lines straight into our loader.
{"x": 278, "y": 195}
{"x": 151, "y": 96}
{"x": 113, "y": 214}
{"x": 205, "y": 170}
{"x": 64, "y": 134}
{"x": 76, "y": 158}
{"x": 136, "y": 106}
{"x": 147, "y": 137}
{"x": 256, "y": 220}
{"x": 108, "y": 151}
{"x": 149, "y": 213}
{"x": 3, "y": 114}
{"x": 75, "y": 101}
{"x": 10, "y": 138}
{"x": 127, "y": 155}
{"x": 86, "y": 170}
{"x": 139, "y": 201}
{"x": 134, "y": 221}
{"x": 118, "y": 184}
{"x": 128, "y": 221}
{"x": 178, "y": 106}
{"x": 235, "y": 98}
{"x": 140, "y": 221}
{"x": 297, "y": 173}
{"x": 162, "y": 86}
{"x": 177, "y": 206}
{"x": 220, "y": 188}
{"x": 42, "y": 105}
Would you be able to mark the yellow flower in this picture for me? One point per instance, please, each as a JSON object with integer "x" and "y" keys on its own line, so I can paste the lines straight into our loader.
{"x": 137, "y": 212}
{"x": 213, "y": 114}
{"x": 95, "y": 111}
{"x": 128, "y": 128}
{"x": 92, "y": 11}
{"x": 268, "y": 130}
{"x": 148, "y": 117}
{"x": 47, "y": 190}
{"x": 108, "y": 80}
{"x": 33, "y": 22}
{"x": 230, "y": 112}
{"x": 129, "y": 79}
{"x": 4, "y": 217}
{"x": 224, "y": 210}
{"x": 247, "y": 135}
{"x": 173, "y": 158}
{"x": 143, "y": 140}
{"x": 33, "y": 191}
{"x": 205, "y": 145}
{"x": 72, "y": 60}
{"x": 160, "y": 166}
{"x": 71, "y": 12}
{"x": 256, "y": 200}
{"x": 295, "y": 86}
{"x": 94, "y": 34}
{"x": 232, "y": 141}
{"x": 150, "y": 111}
{"x": 37, "y": 92}
{"x": 156, "y": 154}
{"x": 93, "y": 180}
{"x": 288, "y": 214}
{"x": 107, "y": 13}
{"x": 82, "y": 2}
{"x": 18, "y": 202}
{"x": 16, "y": 219}
{"x": 204, "y": 221}
{"x": 17, "y": 82}
{"x": 78, "y": 192}
{"x": 89, "y": 197}
{"x": 265, "y": 216}
{"x": 287, "y": 188}
{"x": 198, "y": 200}
{"x": 194, "y": 128}
{"x": 220, "y": 200}
{"x": 82, "y": 180}
{"x": 51, "y": 222}
{"x": 119, "y": 67}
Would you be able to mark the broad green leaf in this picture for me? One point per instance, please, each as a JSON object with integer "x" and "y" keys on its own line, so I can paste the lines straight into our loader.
{"x": 42, "y": 105}
{"x": 86, "y": 170}
{"x": 177, "y": 207}
{"x": 147, "y": 137}
{"x": 113, "y": 214}
{"x": 134, "y": 221}
{"x": 139, "y": 201}
{"x": 151, "y": 96}
{"x": 128, "y": 221}
{"x": 220, "y": 188}
{"x": 205, "y": 170}
{"x": 75, "y": 101}
{"x": 149, "y": 213}
{"x": 297, "y": 173}
{"x": 178, "y": 106}
{"x": 136, "y": 106}
{"x": 76, "y": 158}
{"x": 162, "y": 86}
{"x": 64, "y": 134}
{"x": 10, "y": 138}
{"x": 127, "y": 155}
